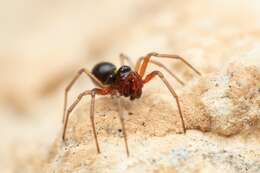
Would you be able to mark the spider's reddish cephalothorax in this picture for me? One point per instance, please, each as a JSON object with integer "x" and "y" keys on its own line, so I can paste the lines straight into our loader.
{"x": 125, "y": 82}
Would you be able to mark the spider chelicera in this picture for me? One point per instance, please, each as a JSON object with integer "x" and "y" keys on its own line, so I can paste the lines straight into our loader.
{"x": 122, "y": 82}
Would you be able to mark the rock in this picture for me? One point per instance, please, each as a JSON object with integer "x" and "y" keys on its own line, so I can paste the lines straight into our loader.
{"x": 224, "y": 103}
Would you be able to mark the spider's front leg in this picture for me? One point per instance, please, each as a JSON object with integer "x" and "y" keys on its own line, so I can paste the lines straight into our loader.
{"x": 140, "y": 68}
{"x": 92, "y": 93}
{"x": 150, "y": 76}
{"x": 124, "y": 57}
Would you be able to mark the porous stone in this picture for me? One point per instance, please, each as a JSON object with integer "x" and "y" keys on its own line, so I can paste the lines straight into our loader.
{"x": 224, "y": 103}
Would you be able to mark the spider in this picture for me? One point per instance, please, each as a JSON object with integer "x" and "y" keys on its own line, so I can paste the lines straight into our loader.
{"x": 122, "y": 82}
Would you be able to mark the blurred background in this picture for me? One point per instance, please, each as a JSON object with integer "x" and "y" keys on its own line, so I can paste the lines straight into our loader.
{"x": 44, "y": 43}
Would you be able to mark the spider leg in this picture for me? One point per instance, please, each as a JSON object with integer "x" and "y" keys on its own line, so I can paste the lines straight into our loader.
{"x": 146, "y": 59}
{"x": 124, "y": 57}
{"x": 92, "y": 93}
{"x": 168, "y": 70}
{"x": 120, "y": 113}
{"x": 150, "y": 76}
{"x": 72, "y": 82}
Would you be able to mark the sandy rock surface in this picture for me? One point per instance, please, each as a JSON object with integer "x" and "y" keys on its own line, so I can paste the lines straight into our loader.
{"x": 194, "y": 152}
{"x": 220, "y": 103}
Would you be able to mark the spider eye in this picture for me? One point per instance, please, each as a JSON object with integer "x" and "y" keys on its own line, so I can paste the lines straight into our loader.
{"x": 124, "y": 69}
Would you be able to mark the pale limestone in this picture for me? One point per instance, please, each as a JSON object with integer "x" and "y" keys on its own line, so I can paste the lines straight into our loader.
{"x": 152, "y": 126}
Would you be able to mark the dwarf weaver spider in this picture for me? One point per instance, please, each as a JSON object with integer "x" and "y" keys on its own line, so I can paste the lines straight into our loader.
{"x": 122, "y": 82}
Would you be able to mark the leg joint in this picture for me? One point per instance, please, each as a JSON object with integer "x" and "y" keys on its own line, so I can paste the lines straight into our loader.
{"x": 69, "y": 110}
{"x": 152, "y": 54}
{"x": 121, "y": 55}
{"x": 67, "y": 88}
{"x": 81, "y": 95}
{"x": 160, "y": 74}
{"x": 93, "y": 92}
{"x": 81, "y": 71}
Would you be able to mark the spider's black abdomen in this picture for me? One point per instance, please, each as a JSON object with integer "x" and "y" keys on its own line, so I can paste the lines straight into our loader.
{"x": 105, "y": 72}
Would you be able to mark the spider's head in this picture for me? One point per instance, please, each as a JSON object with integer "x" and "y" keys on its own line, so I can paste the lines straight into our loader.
{"x": 105, "y": 72}
{"x": 128, "y": 82}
